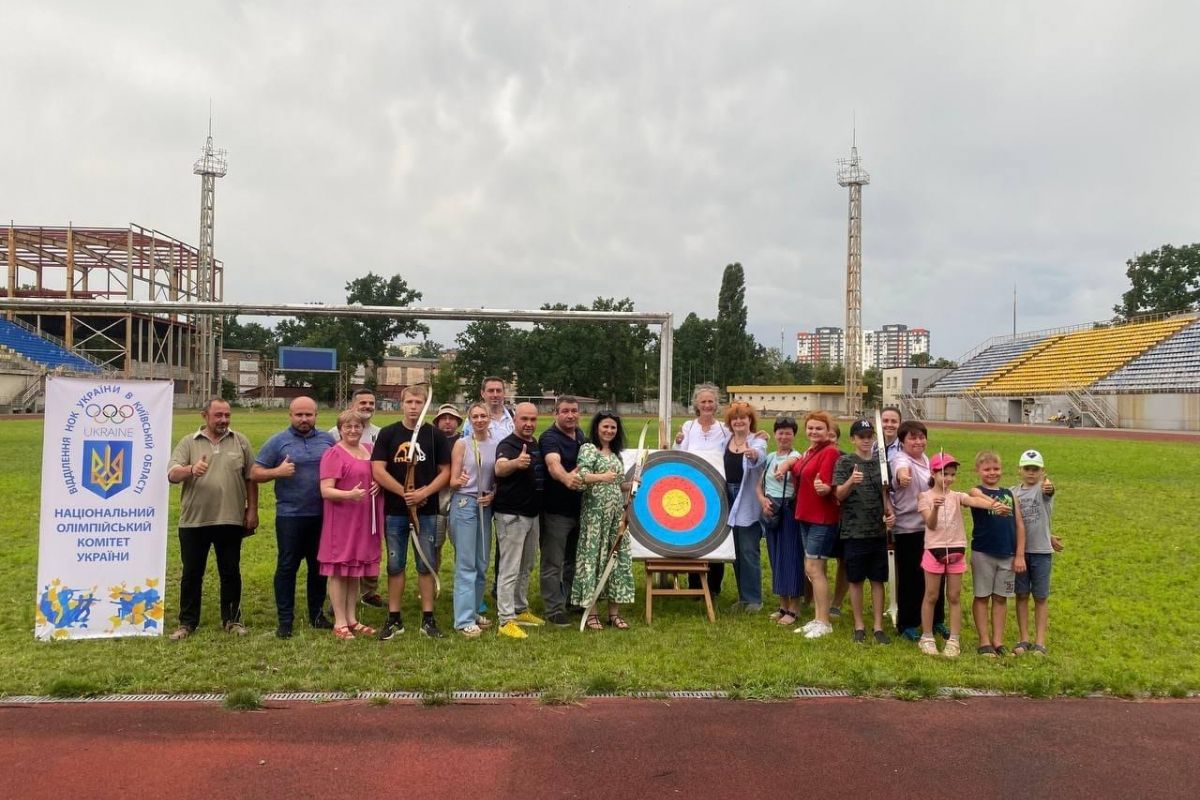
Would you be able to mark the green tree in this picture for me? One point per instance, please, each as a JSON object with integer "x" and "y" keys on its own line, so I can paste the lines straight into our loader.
{"x": 1162, "y": 281}
{"x": 873, "y": 381}
{"x": 445, "y": 383}
{"x": 733, "y": 346}
{"x": 692, "y": 355}
{"x": 366, "y": 338}
{"x": 429, "y": 349}
{"x": 918, "y": 360}
{"x": 826, "y": 374}
{"x": 605, "y": 360}
{"x": 486, "y": 347}
{"x": 250, "y": 336}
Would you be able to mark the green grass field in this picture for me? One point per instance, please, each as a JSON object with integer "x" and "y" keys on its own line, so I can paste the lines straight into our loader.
{"x": 1124, "y": 617}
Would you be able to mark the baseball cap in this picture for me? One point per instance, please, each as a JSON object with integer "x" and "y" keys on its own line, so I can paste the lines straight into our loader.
{"x": 448, "y": 408}
{"x": 941, "y": 461}
{"x": 862, "y": 426}
{"x": 1031, "y": 458}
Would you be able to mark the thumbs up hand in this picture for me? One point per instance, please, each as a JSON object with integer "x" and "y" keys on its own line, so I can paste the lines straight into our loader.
{"x": 286, "y": 468}
{"x": 820, "y": 486}
{"x": 524, "y": 460}
{"x": 200, "y": 467}
{"x": 856, "y": 476}
{"x": 1047, "y": 486}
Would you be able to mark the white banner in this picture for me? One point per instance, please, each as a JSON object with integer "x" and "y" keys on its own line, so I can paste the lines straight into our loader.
{"x": 102, "y": 553}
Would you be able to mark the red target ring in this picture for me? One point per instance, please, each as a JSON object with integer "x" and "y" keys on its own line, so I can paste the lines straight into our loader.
{"x": 676, "y": 504}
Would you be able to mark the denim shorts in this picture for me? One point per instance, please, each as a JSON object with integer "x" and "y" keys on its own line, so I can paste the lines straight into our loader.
{"x": 1035, "y": 580}
{"x": 396, "y": 531}
{"x": 818, "y": 539}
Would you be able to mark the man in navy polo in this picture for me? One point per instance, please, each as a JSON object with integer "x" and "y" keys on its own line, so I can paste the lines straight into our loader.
{"x": 560, "y": 508}
{"x": 292, "y": 458}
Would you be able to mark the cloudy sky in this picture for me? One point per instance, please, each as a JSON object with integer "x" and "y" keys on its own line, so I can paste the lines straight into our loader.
{"x": 510, "y": 154}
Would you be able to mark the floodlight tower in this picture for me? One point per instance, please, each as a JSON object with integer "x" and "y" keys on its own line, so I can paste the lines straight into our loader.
{"x": 851, "y": 174}
{"x": 206, "y": 373}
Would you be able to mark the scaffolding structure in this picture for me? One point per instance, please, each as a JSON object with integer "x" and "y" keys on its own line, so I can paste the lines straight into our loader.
{"x": 852, "y": 175}
{"x": 113, "y": 264}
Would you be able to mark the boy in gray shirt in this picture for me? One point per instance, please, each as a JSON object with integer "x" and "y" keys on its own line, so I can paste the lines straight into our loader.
{"x": 1035, "y": 494}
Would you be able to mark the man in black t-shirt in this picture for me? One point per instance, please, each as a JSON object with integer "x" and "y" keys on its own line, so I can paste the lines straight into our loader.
{"x": 559, "y": 537}
{"x": 392, "y": 456}
{"x": 520, "y": 481}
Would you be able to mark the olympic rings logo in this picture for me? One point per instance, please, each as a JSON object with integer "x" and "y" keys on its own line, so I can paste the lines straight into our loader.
{"x": 109, "y": 412}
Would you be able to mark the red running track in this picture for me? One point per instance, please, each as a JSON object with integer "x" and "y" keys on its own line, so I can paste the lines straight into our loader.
{"x": 852, "y": 748}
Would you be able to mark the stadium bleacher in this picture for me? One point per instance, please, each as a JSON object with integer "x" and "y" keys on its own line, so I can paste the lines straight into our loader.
{"x": 1170, "y": 365}
{"x": 31, "y": 347}
{"x": 1076, "y": 360}
{"x": 982, "y": 365}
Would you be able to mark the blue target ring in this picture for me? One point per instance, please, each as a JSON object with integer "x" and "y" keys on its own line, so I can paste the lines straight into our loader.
{"x": 681, "y": 509}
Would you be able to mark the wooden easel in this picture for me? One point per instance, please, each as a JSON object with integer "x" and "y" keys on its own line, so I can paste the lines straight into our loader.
{"x": 658, "y": 566}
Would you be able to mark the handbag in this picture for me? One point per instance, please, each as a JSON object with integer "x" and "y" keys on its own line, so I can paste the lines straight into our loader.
{"x": 777, "y": 505}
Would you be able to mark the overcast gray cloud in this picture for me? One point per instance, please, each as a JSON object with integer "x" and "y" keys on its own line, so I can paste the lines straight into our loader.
{"x": 509, "y": 154}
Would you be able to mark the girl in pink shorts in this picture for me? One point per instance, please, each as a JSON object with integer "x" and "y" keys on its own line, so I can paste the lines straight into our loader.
{"x": 945, "y": 549}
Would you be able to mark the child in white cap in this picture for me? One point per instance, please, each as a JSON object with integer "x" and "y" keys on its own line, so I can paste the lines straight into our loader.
{"x": 1035, "y": 495}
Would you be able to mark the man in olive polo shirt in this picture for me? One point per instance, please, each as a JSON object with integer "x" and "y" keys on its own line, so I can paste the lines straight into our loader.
{"x": 218, "y": 507}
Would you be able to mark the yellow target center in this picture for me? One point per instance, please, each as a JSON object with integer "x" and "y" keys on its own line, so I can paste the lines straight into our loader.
{"x": 676, "y": 503}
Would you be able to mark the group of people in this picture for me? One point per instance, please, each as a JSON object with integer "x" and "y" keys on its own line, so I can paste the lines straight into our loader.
{"x": 822, "y": 504}
{"x": 345, "y": 495}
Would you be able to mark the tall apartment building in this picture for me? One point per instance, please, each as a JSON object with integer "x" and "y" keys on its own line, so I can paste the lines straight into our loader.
{"x": 888, "y": 347}
{"x": 826, "y": 345}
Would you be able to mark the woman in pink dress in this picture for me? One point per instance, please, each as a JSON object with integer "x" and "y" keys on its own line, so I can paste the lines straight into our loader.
{"x": 352, "y": 524}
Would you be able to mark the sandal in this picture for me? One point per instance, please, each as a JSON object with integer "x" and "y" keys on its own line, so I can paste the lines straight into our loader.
{"x": 362, "y": 630}
{"x": 777, "y": 613}
{"x": 788, "y": 618}
{"x": 1038, "y": 649}
{"x": 593, "y": 623}
{"x": 343, "y": 632}
{"x": 986, "y": 650}
{"x": 1021, "y": 648}
{"x": 618, "y": 623}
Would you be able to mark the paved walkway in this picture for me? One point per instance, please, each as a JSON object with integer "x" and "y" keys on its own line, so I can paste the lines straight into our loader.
{"x": 977, "y": 748}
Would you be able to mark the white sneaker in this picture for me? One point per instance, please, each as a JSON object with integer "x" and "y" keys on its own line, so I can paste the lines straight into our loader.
{"x": 819, "y": 630}
{"x": 471, "y": 631}
{"x": 806, "y": 627}
{"x": 927, "y": 645}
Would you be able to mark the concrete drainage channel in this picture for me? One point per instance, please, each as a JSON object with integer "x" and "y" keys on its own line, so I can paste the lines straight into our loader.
{"x": 803, "y": 692}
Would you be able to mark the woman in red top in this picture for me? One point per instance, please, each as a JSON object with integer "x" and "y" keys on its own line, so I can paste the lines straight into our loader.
{"x": 817, "y": 512}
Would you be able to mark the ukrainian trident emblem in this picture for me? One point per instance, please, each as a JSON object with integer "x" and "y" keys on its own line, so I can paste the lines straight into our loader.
{"x": 106, "y": 467}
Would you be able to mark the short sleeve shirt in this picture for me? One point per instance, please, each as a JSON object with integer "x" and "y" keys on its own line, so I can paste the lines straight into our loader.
{"x": 299, "y": 495}
{"x": 904, "y": 501}
{"x": 393, "y": 447}
{"x": 950, "y": 531}
{"x": 992, "y": 533}
{"x": 218, "y": 497}
{"x": 558, "y": 498}
{"x": 521, "y": 491}
{"x": 1036, "y": 510}
{"x": 862, "y": 510}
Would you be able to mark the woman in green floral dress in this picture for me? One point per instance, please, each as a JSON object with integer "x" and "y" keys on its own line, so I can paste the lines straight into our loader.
{"x": 602, "y": 472}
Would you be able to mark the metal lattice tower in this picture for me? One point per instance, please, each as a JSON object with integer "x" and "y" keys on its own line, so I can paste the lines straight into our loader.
{"x": 851, "y": 174}
{"x": 206, "y": 371}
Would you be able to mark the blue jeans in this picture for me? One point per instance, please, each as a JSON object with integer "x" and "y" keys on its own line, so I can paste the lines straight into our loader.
{"x": 297, "y": 539}
{"x": 471, "y": 537}
{"x": 747, "y": 564}
{"x": 396, "y": 531}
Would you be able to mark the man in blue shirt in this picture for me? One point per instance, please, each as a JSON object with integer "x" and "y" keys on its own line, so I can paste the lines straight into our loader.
{"x": 292, "y": 458}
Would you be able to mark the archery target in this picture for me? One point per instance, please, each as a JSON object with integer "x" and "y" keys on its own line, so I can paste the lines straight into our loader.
{"x": 681, "y": 509}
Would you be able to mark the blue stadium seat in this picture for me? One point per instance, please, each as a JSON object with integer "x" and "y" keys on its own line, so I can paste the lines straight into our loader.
{"x": 1171, "y": 365}
{"x": 41, "y": 351}
{"x": 980, "y": 366}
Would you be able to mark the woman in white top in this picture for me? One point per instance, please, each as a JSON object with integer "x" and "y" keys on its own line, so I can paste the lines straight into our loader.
{"x": 705, "y": 433}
